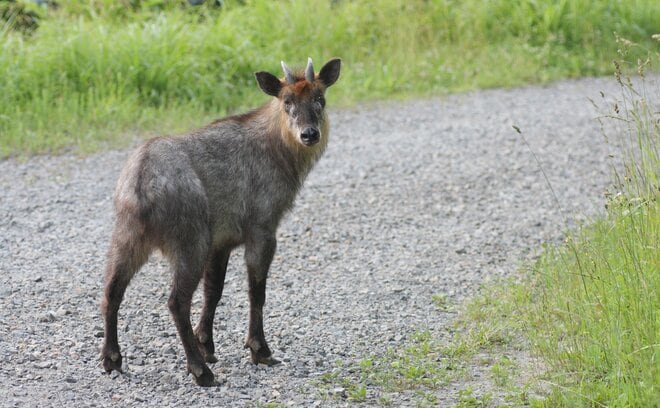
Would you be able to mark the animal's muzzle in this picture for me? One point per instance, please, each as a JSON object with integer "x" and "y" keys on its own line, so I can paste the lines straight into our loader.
{"x": 310, "y": 136}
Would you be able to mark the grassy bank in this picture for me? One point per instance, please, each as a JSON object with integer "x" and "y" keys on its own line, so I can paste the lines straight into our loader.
{"x": 592, "y": 309}
{"x": 589, "y": 307}
{"x": 93, "y": 75}
{"x": 598, "y": 311}
{"x": 589, "y": 312}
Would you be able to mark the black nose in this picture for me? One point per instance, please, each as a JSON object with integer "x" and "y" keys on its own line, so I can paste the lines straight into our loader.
{"x": 310, "y": 136}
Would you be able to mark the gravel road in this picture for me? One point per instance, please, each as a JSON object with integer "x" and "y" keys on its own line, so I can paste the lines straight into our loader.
{"x": 412, "y": 199}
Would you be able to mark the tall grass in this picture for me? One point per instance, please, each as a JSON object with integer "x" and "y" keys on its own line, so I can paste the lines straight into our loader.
{"x": 590, "y": 307}
{"x": 595, "y": 315}
{"x": 597, "y": 311}
{"x": 93, "y": 74}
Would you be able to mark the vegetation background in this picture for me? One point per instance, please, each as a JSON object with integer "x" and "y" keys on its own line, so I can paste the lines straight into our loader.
{"x": 86, "y": 75}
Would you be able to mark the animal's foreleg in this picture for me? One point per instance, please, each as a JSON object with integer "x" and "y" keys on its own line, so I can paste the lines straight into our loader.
{"x": 258, "y": 256}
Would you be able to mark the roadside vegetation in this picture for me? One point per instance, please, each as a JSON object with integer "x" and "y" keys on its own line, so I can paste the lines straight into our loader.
{"x": 578, "y": 327}
{"x": 590, "y": 306}
{"x": 88, "y": 75}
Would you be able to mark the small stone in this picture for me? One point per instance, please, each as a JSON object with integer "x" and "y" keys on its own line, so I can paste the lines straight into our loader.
{"x": 49, "y": 317}
{"x": 338, "y": 392}
{"x": 43, "y": 364}
{"x": 61, "y": 312}
{"x": 70, "y": 380}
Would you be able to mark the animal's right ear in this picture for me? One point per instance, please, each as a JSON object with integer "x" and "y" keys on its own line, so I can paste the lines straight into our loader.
{"x": 269, "y": 83}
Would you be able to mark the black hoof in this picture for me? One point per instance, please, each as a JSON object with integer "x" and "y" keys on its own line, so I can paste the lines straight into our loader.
{"x": 210, "y": 358}
{"x": 269, "y": 361}
{"x": 112, "y": 361}
{"x": 263, "y": 357}
{"x": 207, "y": 351}
{"x": 203, "y": 376}
{"x": 206, "y": 348}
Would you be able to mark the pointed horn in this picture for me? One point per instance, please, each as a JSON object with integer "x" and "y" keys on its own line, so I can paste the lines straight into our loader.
{"x": 290, "y": 78}
{"x": 309, "y": 71}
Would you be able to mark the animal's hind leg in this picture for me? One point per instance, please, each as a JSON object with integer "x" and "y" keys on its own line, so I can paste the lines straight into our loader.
{"x": 187, "y": 262}
{"x": 214, "y": 281}
{"x": 127, "y": 253}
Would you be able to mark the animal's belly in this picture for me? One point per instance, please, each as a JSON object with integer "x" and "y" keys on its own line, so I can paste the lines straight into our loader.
{"x": 227, "y": 231}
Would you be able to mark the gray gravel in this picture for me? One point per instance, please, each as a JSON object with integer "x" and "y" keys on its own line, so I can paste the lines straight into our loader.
{"x": 413, "y": 199}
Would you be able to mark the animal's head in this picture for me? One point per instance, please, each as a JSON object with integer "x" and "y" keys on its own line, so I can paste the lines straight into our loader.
{"x": 301, "y": 98}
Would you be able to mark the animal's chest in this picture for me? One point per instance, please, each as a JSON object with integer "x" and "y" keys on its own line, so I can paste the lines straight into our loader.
{"x": 248, "y": 204}
{"x": 268, "y": 200}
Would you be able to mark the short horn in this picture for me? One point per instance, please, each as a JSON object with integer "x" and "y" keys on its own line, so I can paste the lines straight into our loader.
{"x": 309, "y": 71}
{"x": 290, "y": 78}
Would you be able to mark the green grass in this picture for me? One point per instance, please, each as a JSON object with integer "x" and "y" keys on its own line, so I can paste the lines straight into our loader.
{"x": 595, "y": 315}
{"x": 467, "y": 399}
{"x": 95, "y": 74}
{"x": 424, "y": 367}
{"x": 588, "y": 310}
{"x": 599, "y": 303}
{"x": 422, "y": 364}
{"x": 589, "y": 307}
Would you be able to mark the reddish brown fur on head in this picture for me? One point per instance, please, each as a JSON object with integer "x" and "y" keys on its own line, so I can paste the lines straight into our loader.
{"x": 301, "y": 100}
{"x": 301, "y": 86}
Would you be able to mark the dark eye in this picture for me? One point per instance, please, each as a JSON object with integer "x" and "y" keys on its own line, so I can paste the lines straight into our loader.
{"x": 321, "y": 100}
{"x": 288, "y": 104}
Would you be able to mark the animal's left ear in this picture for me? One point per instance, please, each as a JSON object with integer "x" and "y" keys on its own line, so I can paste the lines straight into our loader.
{"x": 269, "y": 83}
{"x": 330, "y": 72}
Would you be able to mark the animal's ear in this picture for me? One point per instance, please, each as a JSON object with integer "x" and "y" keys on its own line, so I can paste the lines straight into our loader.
{"x": 330, "y": 72}
{"x": 269, "y": 83}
